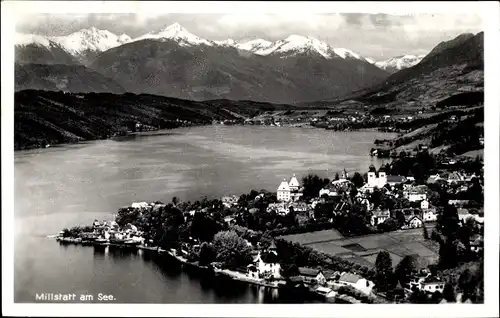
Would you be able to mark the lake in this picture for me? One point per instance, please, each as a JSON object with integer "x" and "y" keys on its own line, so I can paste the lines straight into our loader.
{"x": 69, "y": 185}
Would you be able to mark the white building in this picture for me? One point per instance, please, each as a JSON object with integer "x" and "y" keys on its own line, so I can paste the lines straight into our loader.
{"x": 424, "y": 205}
{"x": 265, "y": 265}
{"x": 379, "y": 217}
{"x": 283, "y": 193}
{"x": 294, "y": 184}
{"x": 289, "y": 190}
{"x": 432, "y": 285}
{"x": 356, "y": 281}
{"x": 414, "y": 222}
{"x": 415, "y": 194}
{"x": 429, "y": 215}
{"x": 377, "y": 179}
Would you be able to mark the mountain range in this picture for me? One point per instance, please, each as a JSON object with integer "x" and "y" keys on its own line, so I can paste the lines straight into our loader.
{"x": 174, "y": 62}
{"x": 453, "y": 68}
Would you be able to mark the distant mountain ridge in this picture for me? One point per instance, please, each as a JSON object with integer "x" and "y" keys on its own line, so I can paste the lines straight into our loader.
{"x": 399, "y": 63}
{"x": 455, "y": 66}
{"x": 85, "y": 44}
{"x": 174, "y": 62}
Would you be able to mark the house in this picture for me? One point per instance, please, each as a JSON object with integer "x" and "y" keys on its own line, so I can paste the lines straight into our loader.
{"x": 455, "y": 177}
{"x": 379, "y": 217}
{"x": 476, "y": 243}
{"x": 139, "y": 205}
{"x": 424, "y": 205}
{"x": 326, "y": 292}
{"x": 458, "y": 202}
{"x": 328, "y": 192}
{"x": 395, "y": 180}
{"x": 434, "y": 178}
{"x": 416, "y": 194}
{"x": 414, "y": 222}
{"x": 265, "y": 265}
{"x": 283, "y": 192}
{"x": 429, "y": 215}
{"x": 312, "y": 275}
{"x": 229, "y": 201}
{"x": 356, "y": 281}
{"x": 432, "y": 285}
{"x": 463, "y": 214}
{"x": 298, "y": 207}
{"x": 341, "y": 184}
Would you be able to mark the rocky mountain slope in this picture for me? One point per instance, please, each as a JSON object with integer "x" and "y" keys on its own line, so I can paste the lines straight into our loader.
{"x": 60, "y": 77}
{"x": 454, "y": 68}
{"x": 32, "y": 48}
{"x": 171, "y": 67}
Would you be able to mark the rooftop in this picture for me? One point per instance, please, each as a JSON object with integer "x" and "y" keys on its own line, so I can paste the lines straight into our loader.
{"x": 349, "y": 278}
{"x": 306, "y": 271}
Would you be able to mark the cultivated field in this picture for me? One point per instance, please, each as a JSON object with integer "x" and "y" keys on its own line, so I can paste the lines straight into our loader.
{"x": 364, "y": 249}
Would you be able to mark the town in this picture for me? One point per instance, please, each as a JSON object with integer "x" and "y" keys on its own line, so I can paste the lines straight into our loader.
{"x": 408, "y": 231}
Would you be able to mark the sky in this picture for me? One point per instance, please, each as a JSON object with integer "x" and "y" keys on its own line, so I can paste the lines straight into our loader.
{"x": 377, "y": 36}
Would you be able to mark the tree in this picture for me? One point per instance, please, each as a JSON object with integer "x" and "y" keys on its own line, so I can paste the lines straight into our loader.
{"x": 207, "y": 254}
{"x": 425, "y": 233}
{"x": 383, "y": 271}
{"x": 175, "y": 200}
{"x": 337, "y": 177}
{"x": 312, "y": 185}
{"x": 357, "y": 180}
{"x": 203, "y": 227}
{"x": 231, "y": 249}
{"x": 400, "y": 217}
{"x": 405, "y": 268}
{"x": 353, "y": 192}
{"x": 388, "y": 225}
{"x": 449, "y": 293}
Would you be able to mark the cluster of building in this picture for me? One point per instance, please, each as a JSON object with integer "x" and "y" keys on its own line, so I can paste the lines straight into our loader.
{"x": 265, "y": 265}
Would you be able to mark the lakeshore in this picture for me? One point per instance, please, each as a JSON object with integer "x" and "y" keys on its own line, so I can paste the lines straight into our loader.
{"x": 139, "y": 189}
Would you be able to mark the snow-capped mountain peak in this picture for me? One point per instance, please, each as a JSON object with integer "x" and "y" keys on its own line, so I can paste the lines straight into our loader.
{"x": 177, "y": 33}
{"x": 398, "y": 63}
{"x": 228, "y": 42}
{"x": 294, "y": 44}
{"x": 23, "y": 39}
{"x": 346, "y": 53}
{"x": 91, "y": 39}
{"x": 254, "y": 45}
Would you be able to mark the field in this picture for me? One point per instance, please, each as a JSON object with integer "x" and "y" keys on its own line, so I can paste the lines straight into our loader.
{"x": 364, "y": 249}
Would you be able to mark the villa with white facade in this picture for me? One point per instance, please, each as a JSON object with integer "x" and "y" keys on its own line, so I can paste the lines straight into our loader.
{"x": 289, "y": 190}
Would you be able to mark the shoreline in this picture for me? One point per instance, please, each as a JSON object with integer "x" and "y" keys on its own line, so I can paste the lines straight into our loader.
{"x": 152, "y": 133}
{"x": 184, "y": 262}
{"x": 226, "y": 273}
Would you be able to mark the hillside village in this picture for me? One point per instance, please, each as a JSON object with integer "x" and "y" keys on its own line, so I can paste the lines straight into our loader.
{"x": 329, "y": 219}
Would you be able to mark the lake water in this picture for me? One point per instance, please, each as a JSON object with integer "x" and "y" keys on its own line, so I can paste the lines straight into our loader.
{"x": 74, "y": 184}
